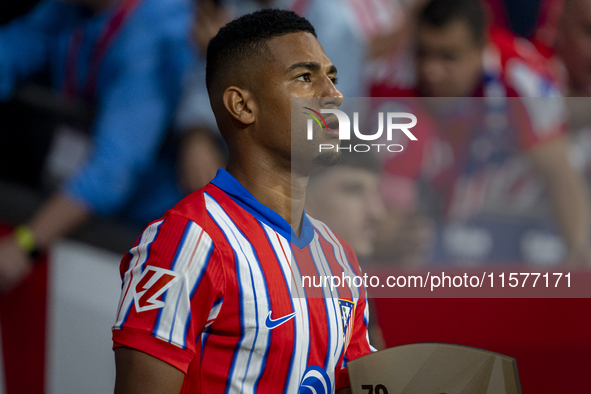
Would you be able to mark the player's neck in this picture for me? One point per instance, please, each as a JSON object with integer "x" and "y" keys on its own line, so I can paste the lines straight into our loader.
{"x": 275, "y": 188}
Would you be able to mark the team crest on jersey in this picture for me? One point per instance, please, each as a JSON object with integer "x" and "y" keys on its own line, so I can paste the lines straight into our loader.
{"x": 153, "y": 283}
{"x": 347, "y": 310}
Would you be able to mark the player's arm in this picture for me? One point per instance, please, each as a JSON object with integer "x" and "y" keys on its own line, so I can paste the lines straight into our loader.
{"x": 346, "y": 390}
{"x": 568, "y": 195}
{"x": 140, "y": 373}
{"x": 172, "y": 278}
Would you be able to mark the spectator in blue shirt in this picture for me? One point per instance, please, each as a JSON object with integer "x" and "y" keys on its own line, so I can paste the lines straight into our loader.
{"x": 128, "y": 59}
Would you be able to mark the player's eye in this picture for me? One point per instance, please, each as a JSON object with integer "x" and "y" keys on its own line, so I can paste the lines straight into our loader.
{"x": 334, "y": 80}
{"x": 304, "y": 77}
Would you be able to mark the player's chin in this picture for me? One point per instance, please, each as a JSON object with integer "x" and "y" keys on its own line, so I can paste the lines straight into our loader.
{"x": 327, "y": 159}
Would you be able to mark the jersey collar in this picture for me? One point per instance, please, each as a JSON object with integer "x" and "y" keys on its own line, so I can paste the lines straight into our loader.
{"x": 241, "y": 196}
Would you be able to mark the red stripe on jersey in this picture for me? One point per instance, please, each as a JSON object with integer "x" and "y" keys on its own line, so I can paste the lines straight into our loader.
{"x": 218, "y": 352}
{"x": 317, "y": 313}
{"x": 123, "y": 267}
{"x": 278, "y": 355}
{"x": 311, "y": 280}
{"x": 194, "y": 250}
{"x": 161, "y": 254}
{"x": 223, "y": 337}
{"x": 358, "y": 345}
{"x": 319, "y": 332}
{"x": 331, "y": 252}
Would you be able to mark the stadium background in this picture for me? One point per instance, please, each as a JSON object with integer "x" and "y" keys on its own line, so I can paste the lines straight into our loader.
{"x": 56, "y": 328}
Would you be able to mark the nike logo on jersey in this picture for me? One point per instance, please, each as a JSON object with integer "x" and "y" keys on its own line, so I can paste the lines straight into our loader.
{"x": 151, "y": 285}
{"x": 274, "y": 323}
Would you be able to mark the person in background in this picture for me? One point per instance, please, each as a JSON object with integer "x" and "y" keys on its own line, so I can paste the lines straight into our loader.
{"x": 127, "y": 59}
{"x": 535, "y": 20}
{"x": 573, "y": 48}
{"x": 230, "y": 318}
{"x": 339, "y": 26}
{"x": 570, "y": 54}
{"x": 203, "y": 150}
{"x": 346, "y": 197}
{"x": 457, "y": 57}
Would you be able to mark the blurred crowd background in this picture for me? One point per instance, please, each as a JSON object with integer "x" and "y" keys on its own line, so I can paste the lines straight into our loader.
{"x": 105, "y": 117}
{"x": 105, "y": 123}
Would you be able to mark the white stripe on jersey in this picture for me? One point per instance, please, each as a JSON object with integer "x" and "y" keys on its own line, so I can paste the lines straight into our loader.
{"x": 339, "y": 253}
{"x": 329, "y": 236}
{"x": 366, "y": 321}
{"x": 248, "y": 366}
{"x": 140, "y": 255}
{"x": 215, "y": 311}
{"x": 333, "y": 313}
{"x": 300, "y": 306}
{"x": 191, "y": 262}
{"x": 300, "y": 362}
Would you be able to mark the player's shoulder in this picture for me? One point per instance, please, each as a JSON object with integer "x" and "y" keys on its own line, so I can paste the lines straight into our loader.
{"x": 192, "y": 210}
{"x": 192, "y": 206}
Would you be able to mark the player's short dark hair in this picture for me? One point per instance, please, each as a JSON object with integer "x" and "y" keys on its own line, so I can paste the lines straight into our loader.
{"x": 245, "y": 38}
{"x": 440, "y": 13}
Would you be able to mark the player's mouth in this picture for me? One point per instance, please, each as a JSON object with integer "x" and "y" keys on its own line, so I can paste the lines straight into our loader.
{"x": 332, "y": 126}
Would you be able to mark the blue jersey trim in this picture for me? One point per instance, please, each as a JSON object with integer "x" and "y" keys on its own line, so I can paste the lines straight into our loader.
{"x": 249, "y": 203}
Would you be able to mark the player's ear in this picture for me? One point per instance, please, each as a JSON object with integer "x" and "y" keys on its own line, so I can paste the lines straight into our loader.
{"x": 240, "y": 104}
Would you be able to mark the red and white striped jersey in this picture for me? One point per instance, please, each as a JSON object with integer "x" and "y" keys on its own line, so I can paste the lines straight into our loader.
{"x": 213, "y": 288}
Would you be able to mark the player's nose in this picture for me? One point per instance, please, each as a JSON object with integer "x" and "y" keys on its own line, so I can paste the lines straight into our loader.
{"x": 332, "y": 98}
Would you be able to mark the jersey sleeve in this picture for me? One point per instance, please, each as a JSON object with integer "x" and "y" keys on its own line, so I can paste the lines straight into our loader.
{"x": 173, "y": 284}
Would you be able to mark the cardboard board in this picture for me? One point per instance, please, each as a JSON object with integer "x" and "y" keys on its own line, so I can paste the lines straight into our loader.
{"x": 434, "y": 368}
